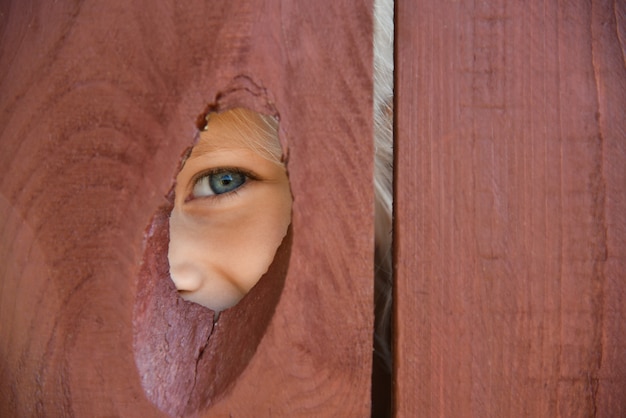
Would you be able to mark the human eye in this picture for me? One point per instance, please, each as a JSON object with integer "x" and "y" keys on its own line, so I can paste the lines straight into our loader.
{"x": 219, "y": 181}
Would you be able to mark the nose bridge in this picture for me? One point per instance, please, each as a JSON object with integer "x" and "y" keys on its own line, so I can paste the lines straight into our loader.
{"x": 186, "y": 254}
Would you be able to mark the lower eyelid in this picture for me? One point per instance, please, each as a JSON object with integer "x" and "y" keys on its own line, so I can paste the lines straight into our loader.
{"x": 216, "y": 199}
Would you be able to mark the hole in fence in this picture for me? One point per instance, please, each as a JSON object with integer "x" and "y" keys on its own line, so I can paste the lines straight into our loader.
{"x": 232, "y": 208}
{"x": 221, "y": 244}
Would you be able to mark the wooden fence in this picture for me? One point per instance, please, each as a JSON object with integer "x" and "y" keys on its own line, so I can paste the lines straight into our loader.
{"x": 510, "y": 208}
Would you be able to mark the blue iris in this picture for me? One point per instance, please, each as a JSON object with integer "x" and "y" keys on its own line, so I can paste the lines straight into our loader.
{"x": 226, "y": 181}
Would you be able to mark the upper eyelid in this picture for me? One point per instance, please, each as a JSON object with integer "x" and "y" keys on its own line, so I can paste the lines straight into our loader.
{"x": 194, "y": 179}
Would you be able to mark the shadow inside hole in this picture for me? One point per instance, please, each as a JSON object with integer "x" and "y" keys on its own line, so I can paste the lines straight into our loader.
{"x": 186, "y": 360}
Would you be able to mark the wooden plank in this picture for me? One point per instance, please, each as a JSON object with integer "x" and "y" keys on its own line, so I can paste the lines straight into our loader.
{"x": 98, "y": 102}
{"x": 510, "y": 294}
{"x": 608, "y": 28}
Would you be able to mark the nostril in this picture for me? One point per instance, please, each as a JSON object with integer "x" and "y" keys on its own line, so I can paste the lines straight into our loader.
{"x": 186, "y": 278}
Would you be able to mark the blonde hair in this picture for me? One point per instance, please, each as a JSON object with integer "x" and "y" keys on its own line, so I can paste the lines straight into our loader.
{"x": 383, "y": 175}
{"x": 251, "y": 129}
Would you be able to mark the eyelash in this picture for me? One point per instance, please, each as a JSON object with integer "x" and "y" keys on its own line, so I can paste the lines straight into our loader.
{"x": 249, "y": 176}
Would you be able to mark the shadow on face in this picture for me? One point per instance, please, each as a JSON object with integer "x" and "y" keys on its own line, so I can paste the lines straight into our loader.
{"x": 231, "y": 211}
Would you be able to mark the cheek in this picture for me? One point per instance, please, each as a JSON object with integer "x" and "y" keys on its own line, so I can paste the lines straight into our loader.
{"x": 217, "y": 259}
{"x": 251, "y": 245}
{"x": 195, "y": 257}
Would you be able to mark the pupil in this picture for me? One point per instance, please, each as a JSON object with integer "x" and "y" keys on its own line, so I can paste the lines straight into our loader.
{"x": 227, "y": 179}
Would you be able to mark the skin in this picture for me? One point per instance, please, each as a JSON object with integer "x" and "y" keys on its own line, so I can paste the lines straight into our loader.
{"x": 221, "y": 245}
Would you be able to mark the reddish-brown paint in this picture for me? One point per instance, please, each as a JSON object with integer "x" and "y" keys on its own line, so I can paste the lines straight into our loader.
{"x": 510, "y": 200}
{"x": 98, "y": 102}
{"x": 511, "y": 209}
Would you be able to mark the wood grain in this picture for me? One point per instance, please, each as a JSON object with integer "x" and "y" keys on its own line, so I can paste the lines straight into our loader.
{"x": 510, "y": 203}
{"x": 98, "y": 101}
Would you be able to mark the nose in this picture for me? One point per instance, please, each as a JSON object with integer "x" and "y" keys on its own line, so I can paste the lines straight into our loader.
{"x": 186, "y": 277}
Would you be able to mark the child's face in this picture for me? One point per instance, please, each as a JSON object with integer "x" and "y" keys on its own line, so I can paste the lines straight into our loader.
{"x": 232, "y": 209}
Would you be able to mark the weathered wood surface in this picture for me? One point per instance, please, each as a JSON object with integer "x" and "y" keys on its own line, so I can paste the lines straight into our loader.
{"x": 98, "y": 101}
{"x": 511, "y": 209}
